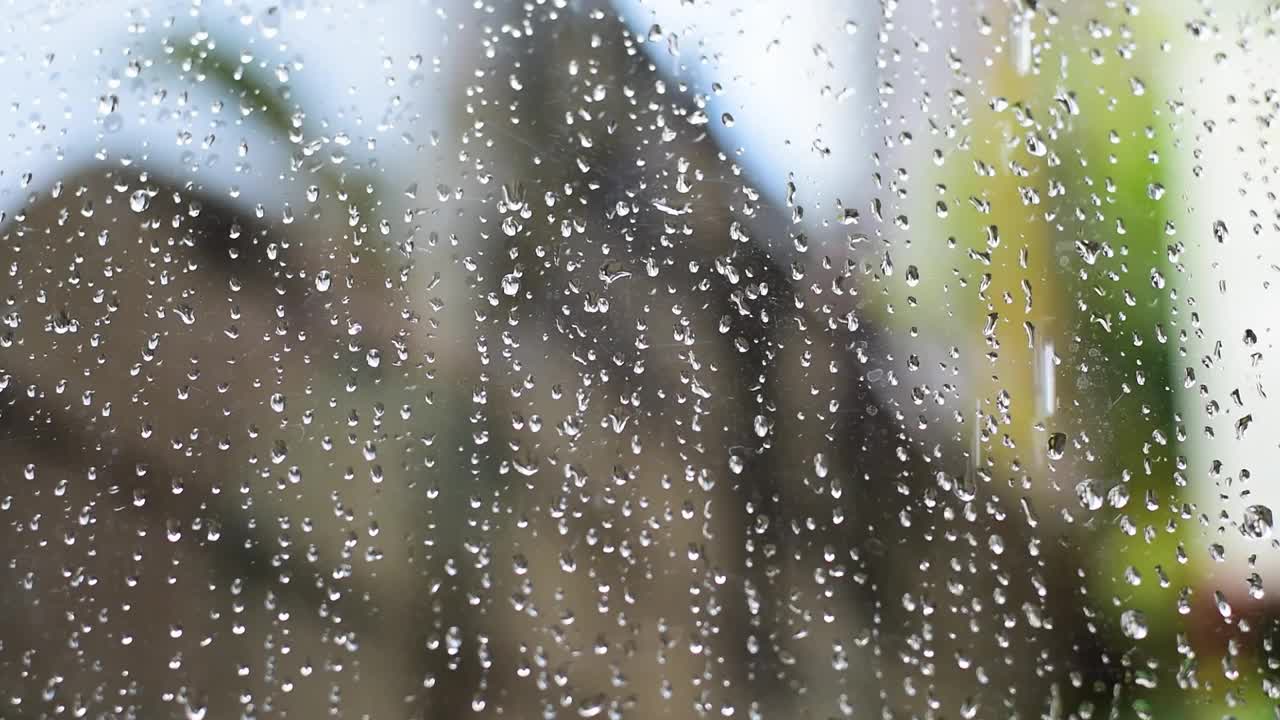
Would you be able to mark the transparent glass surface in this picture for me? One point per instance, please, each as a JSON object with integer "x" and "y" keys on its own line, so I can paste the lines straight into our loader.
{"x": 639, "y": 359}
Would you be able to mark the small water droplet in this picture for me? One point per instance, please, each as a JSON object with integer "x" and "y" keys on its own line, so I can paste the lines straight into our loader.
{"x": 737, "y": 460}
{"x": 1220, "y": 232}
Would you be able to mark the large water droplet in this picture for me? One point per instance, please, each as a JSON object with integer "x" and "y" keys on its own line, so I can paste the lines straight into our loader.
{"x": 1057, "y": 445}
{"x": 1257, "y": 521}
{"x": 1133, "y": 623}
{"x": 1088, "y": 492}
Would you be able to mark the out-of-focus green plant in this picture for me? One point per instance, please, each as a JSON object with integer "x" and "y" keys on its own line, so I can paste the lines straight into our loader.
{"x": 1052, "y": 228}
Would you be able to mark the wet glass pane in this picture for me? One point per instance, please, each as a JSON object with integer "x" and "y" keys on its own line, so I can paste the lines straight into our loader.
{"x": 638, "y": 359}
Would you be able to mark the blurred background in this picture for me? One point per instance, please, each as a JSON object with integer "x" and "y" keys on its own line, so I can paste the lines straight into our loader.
{"x": 644, "y": 358}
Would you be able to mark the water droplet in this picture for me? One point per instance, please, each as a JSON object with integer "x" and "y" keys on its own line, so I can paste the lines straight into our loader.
{"x": 269, "y": 22}
{"x": 1133, "y": 623}
{"x": 1089, "y": 495}
{"x": 1242, "y": 426}
{"x": 820, "y": 467}
{"x": 511, "y": 284}
{"x": 1220, "y": 232}
{"x": 1118, "y": 496}
{"x": 1257, "y": 521}
{"x": 737, "y": 460}
{"x": 592, "y": 706}
{"x": 1057, "y": 445}
{"x": 761, "y": 425}
{"x": 966, "y": 486}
